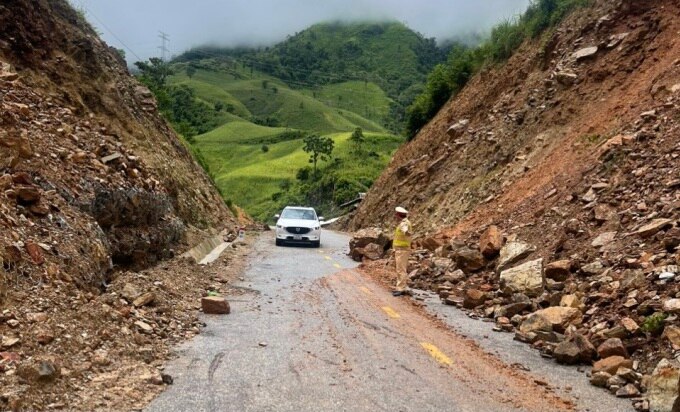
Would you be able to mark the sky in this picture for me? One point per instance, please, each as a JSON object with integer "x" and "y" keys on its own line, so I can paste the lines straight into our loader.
{"x": 134, "y": 25}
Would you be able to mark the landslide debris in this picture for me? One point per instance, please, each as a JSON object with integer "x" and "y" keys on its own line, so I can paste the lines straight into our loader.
{"x": 572, "y": 152}
{"x": 95, "y": 189}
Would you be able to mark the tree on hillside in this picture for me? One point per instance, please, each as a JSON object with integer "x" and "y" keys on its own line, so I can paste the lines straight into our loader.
{"x": 318, "y": 148}
{"x": 357, "y": 139}
{"x": 154, "y": 73}
{"x": 191, "y": 70}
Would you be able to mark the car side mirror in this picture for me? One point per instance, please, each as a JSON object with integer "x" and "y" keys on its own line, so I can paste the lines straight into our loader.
{"x": 277, "y": 216}
{"x": 321, "y": 218}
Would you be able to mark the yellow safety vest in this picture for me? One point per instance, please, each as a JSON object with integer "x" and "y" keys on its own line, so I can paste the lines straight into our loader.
{"x": 402, "y": 240}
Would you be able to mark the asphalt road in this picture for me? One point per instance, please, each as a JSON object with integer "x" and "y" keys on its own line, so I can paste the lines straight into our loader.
{"x": 312, "y": 334}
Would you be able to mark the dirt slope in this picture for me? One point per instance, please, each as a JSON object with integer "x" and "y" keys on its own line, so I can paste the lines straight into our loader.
{"x": 572, "y": 149}
{"x": 84, "y": 142}
{"x": 528, "y": 133}
{"x": 93, "y": 184}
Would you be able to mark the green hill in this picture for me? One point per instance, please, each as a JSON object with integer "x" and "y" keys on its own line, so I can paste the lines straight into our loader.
{"x": 245, "y": 112}
{"x": 379, "y": 66}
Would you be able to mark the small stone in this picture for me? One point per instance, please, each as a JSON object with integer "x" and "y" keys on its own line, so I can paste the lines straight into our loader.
{"x": 576, "y": 349}
{"x": 600, "y": 379}
{"x": 630, "y": 325}
{"x": 144, "y": 299}
{"x": 144, "y": 327}
{"x": 672, "y": 306}
{"x": 585, "y": 53}
{"x": 35, "y": 252}
{"x": 8, "y": 342}
{"x": 612, "y": 347}
{"x": 48, "y": 371}
{"x": 215, "y": 305}
{"x": 593, "y": 268}
{"x": 612, "y": 364}
{"x": 27, "y": 194}
{"x": 653, "y": 227}
{"x": 473, "y": 298}
{"x": 672, "y": 333}
{"x": 628, "y": 391}
{"x": 558, "y": 271}
{"x": 604, "y": 239}
{"x": 491, "y": 242}
{"x": 111, "y": 157}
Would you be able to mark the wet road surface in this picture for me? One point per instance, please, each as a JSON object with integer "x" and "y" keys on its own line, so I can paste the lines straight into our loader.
{"x": 312, "y": 334}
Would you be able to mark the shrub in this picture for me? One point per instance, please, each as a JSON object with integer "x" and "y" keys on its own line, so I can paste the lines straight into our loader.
{"x": 654, "y": 324}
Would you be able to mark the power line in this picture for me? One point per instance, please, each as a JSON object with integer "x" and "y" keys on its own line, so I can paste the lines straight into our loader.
{"x": 164, "y": 44}
{"x": 110, "y": 31}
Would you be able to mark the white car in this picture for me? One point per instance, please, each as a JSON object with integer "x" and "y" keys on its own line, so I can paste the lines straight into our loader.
{"x": 298, "y": 225}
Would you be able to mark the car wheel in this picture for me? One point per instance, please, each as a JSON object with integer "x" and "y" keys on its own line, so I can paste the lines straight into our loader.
{"x": 279, "y": 242}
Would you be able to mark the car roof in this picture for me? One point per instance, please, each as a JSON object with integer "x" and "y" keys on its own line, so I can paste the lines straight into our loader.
{"x": 298, "y": 207}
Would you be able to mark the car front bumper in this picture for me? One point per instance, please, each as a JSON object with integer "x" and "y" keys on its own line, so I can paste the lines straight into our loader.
{"x": 313, "y": 236}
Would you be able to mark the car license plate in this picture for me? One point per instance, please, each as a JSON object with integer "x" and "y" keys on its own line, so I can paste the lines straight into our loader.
{"x": 297, "y": 237}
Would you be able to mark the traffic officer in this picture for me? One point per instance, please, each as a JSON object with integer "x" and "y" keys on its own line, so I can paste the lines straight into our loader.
{"x": 402, "y": 250}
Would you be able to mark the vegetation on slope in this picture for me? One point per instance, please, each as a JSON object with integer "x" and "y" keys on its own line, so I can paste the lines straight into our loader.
{"x": 463, "y": 62}
{"x": 386, "y": 56}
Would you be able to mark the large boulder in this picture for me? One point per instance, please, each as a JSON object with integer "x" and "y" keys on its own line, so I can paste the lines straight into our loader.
{"x": 536, "y": 323}
{"x": 662, "y": 389}
{"x": 364, "y": 237}
{"x": 526, "y": 278}
{"x": 430, "y": 244}
{"x": 469, "y": 260}
{"x": 372, "y": 251}
{"x": 512, "y": 253}
{"x": 576, "y": 349}
{"x": 560, "y": 317}
{"x": 491, "y": 242}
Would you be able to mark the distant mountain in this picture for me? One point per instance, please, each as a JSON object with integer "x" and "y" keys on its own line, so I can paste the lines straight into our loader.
{"x": 387, "y": 54}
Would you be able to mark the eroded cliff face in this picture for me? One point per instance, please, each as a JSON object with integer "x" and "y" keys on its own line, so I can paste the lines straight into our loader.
{"x": 93, "y": 184}
{"x": 90, "y": 173}
{"x": 552, "y": 185}
{"x": 535, "y": 125}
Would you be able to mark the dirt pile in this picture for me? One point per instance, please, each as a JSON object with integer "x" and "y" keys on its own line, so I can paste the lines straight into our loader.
{"x": 571, "y": 151}
{"x": 93, "y": 185}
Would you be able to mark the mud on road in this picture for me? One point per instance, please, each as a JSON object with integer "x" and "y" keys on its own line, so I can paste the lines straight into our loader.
{"x": 312, "y": 333}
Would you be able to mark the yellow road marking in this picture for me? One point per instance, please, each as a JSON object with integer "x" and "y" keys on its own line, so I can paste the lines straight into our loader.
{"x": 436, "y": 354}
{"x": 327, "y": 257}
{"x": 337, "y": 266}
{"x": 365, "y": 290}
{"x": 391, "y": 312}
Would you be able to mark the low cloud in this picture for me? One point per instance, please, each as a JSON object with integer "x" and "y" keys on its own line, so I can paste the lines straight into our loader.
{"x": 134, "y": 24}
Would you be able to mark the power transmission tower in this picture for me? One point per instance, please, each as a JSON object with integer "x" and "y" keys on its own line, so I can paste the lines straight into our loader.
{"x": 164, "y": 44}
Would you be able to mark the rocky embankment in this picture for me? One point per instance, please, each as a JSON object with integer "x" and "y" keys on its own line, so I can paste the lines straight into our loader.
{"x": 547, "y": 198}
{"x": 95, "y": 190}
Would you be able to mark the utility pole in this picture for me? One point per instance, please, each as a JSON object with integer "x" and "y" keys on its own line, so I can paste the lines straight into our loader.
{"x": 164, "y": 44}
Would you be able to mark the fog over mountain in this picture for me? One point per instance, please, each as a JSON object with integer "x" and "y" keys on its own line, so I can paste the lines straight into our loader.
{"x": 134, "y": 24}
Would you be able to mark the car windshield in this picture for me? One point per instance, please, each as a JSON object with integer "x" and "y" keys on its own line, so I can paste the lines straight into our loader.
{"x": 302, "y": 214}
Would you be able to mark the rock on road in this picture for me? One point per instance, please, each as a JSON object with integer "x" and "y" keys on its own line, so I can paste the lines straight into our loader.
{"x": 312, "y": 334}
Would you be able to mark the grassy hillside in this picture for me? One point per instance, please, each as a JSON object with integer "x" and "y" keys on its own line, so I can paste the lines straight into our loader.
{"x": 380, "y": 66}
{"x": 246, "y": 112}
{"x": 253, "y": 177}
